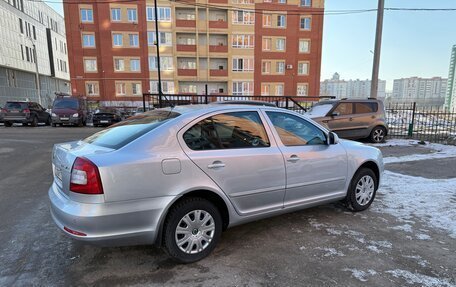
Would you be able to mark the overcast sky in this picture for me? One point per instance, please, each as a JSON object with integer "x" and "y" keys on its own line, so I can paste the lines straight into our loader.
{"x": 414, "y": 43}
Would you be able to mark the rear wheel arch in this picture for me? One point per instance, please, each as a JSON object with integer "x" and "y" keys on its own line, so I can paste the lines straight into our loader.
{"x": 211, "y": 196}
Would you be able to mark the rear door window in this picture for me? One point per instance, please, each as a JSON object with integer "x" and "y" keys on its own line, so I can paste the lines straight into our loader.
{"x": 364, "y": 108}
{"x": 228, "y": 131}
{"x": 344, "y": 109}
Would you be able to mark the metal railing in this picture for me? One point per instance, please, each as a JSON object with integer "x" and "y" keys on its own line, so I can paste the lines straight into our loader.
{"x": 434, "y": 125}
{"x": 295, "y": 103}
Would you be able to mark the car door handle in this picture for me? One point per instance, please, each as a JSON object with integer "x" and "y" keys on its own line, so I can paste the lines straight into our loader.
{"x": 293, "y": 158}
{"x": 216, "y": 164}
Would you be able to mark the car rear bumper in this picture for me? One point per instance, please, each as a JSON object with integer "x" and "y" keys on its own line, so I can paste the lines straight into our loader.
{"x": 69, "y": 121}
{"x": 109, "y": 224}
{"x": 17, "y": 119}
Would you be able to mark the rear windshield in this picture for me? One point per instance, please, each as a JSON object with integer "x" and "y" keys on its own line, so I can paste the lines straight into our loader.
{"x": 320, "y": 110}
{"x": 15, "y": 106}
{"x": 127, "y": 131}
{"x": 66, "y": 104}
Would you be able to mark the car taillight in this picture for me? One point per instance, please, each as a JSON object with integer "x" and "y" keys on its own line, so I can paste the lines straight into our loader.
{"x": 4, "y": 110}
{"x": 85, "y": 177}
{"x": 27, "y": 111}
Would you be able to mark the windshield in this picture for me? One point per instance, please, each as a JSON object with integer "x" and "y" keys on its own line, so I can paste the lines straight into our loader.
{"x": 319, "y": 110}
{"x": 125, "y": 132}
{"x": 66, "y": 104}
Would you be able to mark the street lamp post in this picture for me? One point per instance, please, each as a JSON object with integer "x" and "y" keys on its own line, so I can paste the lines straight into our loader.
{"x": 158, "y": 50}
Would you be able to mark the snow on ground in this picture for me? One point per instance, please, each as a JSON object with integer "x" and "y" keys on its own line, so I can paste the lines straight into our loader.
{"x": 359, "y": 274}
{"x": 420, "y": 279}
{"x": 406, "y": 197}
{"x": 440, "y": 150}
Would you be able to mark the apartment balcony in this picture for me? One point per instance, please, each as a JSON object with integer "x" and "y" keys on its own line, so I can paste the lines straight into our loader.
{"x": 185, "y": 48}
{"x": 219, "y": 24}
{"x": 218, "y": 49}
{"x": 187, "y": 72}
{"x": 181, "y": 23}
{"x": 219, "y": 1}
{"x": 218, "y": 73}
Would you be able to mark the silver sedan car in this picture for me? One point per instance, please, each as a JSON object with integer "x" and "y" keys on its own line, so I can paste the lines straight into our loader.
{"x": 178, "y": 177}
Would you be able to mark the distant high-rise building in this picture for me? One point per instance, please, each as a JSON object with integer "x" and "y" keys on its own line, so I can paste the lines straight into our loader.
{"x": 425, "y": 92}
{"x": 450, "y": 99}
{"x": 33, "y": 38}
{"x": 355, "y": 89}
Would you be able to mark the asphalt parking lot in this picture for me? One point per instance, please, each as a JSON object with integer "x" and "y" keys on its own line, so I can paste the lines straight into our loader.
{"x": 322, "y": 246}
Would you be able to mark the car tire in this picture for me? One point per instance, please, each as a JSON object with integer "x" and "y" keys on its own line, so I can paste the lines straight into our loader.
{"x": 34, "y": 122}
{"x": 84, "y": 123}
{"x": 378, "y": 134}
{"x": 48, "y": 121}
{"x": 362, "y": 190}
{"x": 8, "y": 124}
{"x": 24, "y": 124}
{"x": 54, "y": 125}
{"x": 198, "y": 237}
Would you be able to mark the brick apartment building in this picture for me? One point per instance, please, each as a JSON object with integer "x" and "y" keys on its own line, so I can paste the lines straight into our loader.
{"x": 261, "y": 47}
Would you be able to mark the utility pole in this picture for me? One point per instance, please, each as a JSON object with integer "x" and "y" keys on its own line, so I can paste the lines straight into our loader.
{"x": 37, "y": 74}
{"x": 158, "y": 49}
{"x": 378, "y": 44}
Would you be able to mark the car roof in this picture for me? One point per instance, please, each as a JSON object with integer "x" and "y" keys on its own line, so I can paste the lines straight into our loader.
{"x": 207, "y": 108}
{"x": 347, "y": 100}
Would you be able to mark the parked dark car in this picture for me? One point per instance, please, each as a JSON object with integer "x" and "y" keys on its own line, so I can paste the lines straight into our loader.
{"x": 25, "y": 113}
{"x": 352, "y": 118}
{"x": 106, "y": 117}
{"x": 69, "y": 111}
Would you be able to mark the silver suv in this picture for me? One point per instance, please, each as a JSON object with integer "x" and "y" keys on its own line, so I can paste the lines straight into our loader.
{"x": 352, "y": 119}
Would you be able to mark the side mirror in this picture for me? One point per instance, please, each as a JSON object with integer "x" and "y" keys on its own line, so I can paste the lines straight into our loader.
{"x": 333, "y": 138}
{"x": 335, "y": 114}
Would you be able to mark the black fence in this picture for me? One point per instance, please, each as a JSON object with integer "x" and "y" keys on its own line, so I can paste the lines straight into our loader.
{"x": 435, "y": 125}
{"x": 295, "y": 103}
{"x": 404, "y": 120}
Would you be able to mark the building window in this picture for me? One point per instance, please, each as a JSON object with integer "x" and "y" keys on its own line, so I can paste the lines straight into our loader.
{"x": 88, "y": 40}
{"x": 243, "y": 1}
{"x": 265, "y": 89}
{"x": 304, "y": 46}
{"x": 267, "y": 20}
{"x": 136, "y": 88}
{"x": 86, "y": 15}
{"x": 302, "y": 90}
{"x": 132, "y": 15}
{"x": 115, "y": 14}
{"x": 164, "y": 14}
{"x": 135, "y": 65}
{"x": 242, "y": 41}
{"x": 166, "y": 38}
{"x": 90, "y": 65}
{"x": 279, "y": 90}
{"x": 280, "y": 44}
{"x": 305, "y": 23}
{"x": 134, "y": 40}
{"x": 166, "y": 63}
{"x": 120, "y": 89}
{"x": 281, "y": 21}
{"x": 21, "y": 28}
{"x": 167, "y": 87}
{"x": 282, "y": 1}
{"x": 306, "y": 3}
{"x": 280, "y": 67}
{"x": 117, "y": 40}
{"x": 242, "y": 88}
{"x": 266, "y": 44}
{"x": 243, "y": 65}
{"x": 119, "y": 65}
{"x": 266, "y": 67}
{"x": 92, "y": 89}
{"x": 244, "y": 17}
{"x": 303, "y": 68}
